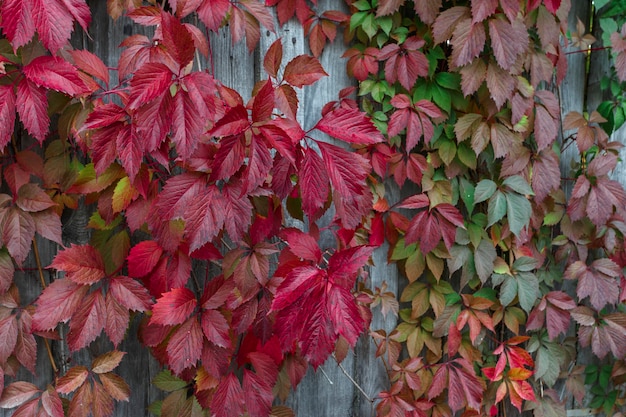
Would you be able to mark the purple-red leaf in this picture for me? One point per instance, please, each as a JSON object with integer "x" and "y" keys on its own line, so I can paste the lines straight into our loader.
{"x": 174, "y": 307}
{"x": 303, "y": 70}
{"x": 82, "y": 264}
{"x": 350, "y": 125}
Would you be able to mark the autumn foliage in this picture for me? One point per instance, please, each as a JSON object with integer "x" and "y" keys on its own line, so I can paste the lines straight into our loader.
{"x": 457, "y": 107}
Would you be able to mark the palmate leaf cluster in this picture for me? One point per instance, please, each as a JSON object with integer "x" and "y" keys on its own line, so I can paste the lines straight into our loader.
{"x": 507, "y": 275}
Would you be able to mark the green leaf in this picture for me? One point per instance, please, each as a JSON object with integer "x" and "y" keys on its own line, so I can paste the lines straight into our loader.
{"x": 447, "y": 150}
{"x": 467, "y": 190}
{"x": 166, "y": 381}
{"x": 369, "y": 25}
{"x": 548, "y": 363}
{"x": 442, "y": 98}
{"x": 497, "y": 208}
{"x": 466, "y": 155}
{"x": 484, "y": 190}
{"x": 527, "y": 290}
{"x": 451, "y": 81}
{"x": 357, "y": 19}
{"x": 386, "y": 24}
{"x": 402, "y": 252}
{"x": 508, "y": 290}
{"x": 525, "y": 264}
{"x": 518, "y": 211}
{"x": 519, "y": 185}
{"x": 484, "y": 257}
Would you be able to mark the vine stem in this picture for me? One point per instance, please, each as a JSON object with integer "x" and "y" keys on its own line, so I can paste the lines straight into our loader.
{"x": 367, "y": 397}
{"x": 43, "y": 285}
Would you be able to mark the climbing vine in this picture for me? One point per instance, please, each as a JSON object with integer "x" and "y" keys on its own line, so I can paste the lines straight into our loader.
{"x": 457, "y": 106}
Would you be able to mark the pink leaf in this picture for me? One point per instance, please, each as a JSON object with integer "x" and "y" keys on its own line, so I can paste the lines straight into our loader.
{"x": 350, "y": 125}
{"x": 83, "y": 264}
{"x": 174, "y": 307}
{"x": 303, "y": 70}
{"x": 56, "y": 74}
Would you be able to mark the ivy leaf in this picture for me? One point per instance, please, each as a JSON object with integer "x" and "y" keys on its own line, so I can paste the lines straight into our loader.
{"x": 177, "y": 40}
{"x": 596, "y": 281}
{"x": 32, "y": 106}
{"x": 174, "y": 307}
{"x": 107, "y": 362}
{"x": 18, "y": 230}
{"x": 53, "y": 21}
{"x": 350, "y": 125}
{"x": 483, "y": 9}
{"x": 8, "y": 329}
{"x": 32, "y": 198}
{"x": 6, "y": 271}
{"x": 87, "y": 322}
{"x": 508, "y": 40}
{"x": 347, "y": 172}
{"x": 17, "y": 393}
{"x": 130, "y": 293}
{"x": 185, "y": 346}
{"x": 273, "y": 58}
{"x": 302, "y": 245}
{"x": 468, "y": 41}
{"x": 518, "y": 211}
{"x": 55, "y": 74}
{"x": 82, "y": 264}
{"x": 150, "y": 81}
{"x": 404, "y": 62}
{"x": 57, "y": 303}
{"x": 546, "y": 174}
{"x": 7, "y": 113}
{"x": 143, "y": 257}
{"x": 72, "y": 380}
{"x": 303, "y": 70}
{"x": 228, "y": 399}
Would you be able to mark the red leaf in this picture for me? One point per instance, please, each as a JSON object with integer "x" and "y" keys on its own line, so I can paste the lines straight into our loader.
{"x": 347, "y": 172}
{"x": 7, "y": 114}
{"x": 18, "y": 230}
{"x": 303, "y": 70}
{"x": 107, "y": 362}
{"x": 87, "y": 322}
{"x": 302, "y": 245}
{"x": 273, "y": 58}
{"x": 115, "y": 386}
{"x": 149, "y": 82}
{"x": 73, "y": 378}
{"x": 116, "y": 320}
{"x": 6, "y": 271}
{"x": 56, "y": 74}
{"x": 465, "y": 388}
{"x": 229, "y": 158}
{"x": 552, "y": 5}
{"x": 343, "y": 265}
{"x": 259, "y": 394}
{"x": 177, "y": 40}
{"x": 350, "y": 125}
{"x": 91, "y": 64}
{"x": 31, "y": 198}
{"x": 344, "y": 314}
{"x": 130, "y": 293}
{"x": 597, "y": 281}
{"x": 234, "y": 122}
{"x": 57, "y": 303}
{"x": 482, "y": 9}
{"x": 313, "y": 182}
{"x": 228, "y": 399}
{"x": 83, "y": 264}
{"x": 205, "y": 217}
{"x": 174, "y": 307}
{"x": 468, "y": 41}
{"x": 143, "y": 257}
{"x": 54, "y": 20}
{"x": 32, "y": 106}
{"x": 546, "y": 174}
{"x": 216, "y": 328}
{"x": 386, "y": 7}
{"x": 17, "y": 22}
{"x": 259, "y": 165}
{"x": 8, "y": 330}
{"x": 17, "y": 393}
{"x": 185, "y": 346}
{"x": 187, "y": 123}
{"x": 213, "y": 12}
{"x": 508, "y": 40}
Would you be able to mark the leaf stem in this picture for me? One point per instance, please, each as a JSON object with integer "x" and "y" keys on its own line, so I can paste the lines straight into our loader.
{"x": 581, "y": 51}
{"x": 43, "y": 285}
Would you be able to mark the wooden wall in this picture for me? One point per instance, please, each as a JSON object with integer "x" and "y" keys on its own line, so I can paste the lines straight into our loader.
{"x": 329, "y": 391}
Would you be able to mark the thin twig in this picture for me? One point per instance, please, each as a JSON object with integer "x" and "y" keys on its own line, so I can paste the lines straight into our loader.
{"x": 43, "y": 285}
{"x": 367, "y": 397}
{"x": 38, "y": 261}
{"x": 326, "y": 376}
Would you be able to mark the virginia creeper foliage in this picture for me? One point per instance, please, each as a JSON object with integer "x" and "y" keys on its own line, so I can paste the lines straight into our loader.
{"x": 507, "y": 273}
